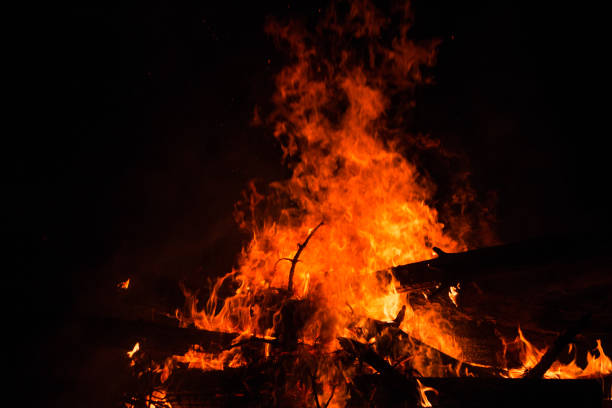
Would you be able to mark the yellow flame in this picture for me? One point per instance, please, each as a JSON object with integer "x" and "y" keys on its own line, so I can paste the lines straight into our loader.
{"x": 124, "y": 285}
{"x": 598, "y": 363}
{"x": 134, "y": 350}
{"x": 424, "y": 401}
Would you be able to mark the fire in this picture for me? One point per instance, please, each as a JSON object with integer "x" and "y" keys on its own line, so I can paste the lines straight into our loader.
{"x": 157, "y": 399}
{"x": 598, "y": 363}
{"x": 350, "y": 178}
{"x": 322, "y": 241}
{"x": 453, "y": 292}
{"x": 124, "y": 285}
{"x": 424, "y": 401}
{"x": 134, "y": 350}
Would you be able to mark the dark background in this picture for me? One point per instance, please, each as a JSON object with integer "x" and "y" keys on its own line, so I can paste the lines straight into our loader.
{"x": 143, "y": 145}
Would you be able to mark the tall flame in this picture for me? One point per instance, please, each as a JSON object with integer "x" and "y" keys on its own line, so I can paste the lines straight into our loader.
{"x": 335, "y": 125}
{"x": 353, "y": 207}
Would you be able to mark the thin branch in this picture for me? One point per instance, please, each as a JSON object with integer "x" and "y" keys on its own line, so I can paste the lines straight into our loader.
{"x": 314, "y": 389}
{"x": 295, "y": 259}
{"x": 330, "y": 396}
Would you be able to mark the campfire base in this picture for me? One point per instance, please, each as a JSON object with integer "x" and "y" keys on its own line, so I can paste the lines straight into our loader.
{"x": 236, "y": 388}
{"x": 491, "y": 392}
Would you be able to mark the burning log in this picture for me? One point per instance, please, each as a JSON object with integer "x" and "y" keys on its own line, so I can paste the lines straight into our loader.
{"x": 549, "y": 273}
{"x": 404, "y": 388}
{"x": 236, "y": 387}
{"x": 443, "y": 358}
{"x": 553, "y": 351}
{"x": 162, "y": 338}
{"x": 242, "y": 387}
{"x": 476, "y": 263}
{"x": 486, "y": 392}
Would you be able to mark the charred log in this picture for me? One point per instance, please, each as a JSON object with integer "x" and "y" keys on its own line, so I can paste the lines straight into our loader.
{"x": 162, "y": 338}
{"x": 469, "y": 265}
{"x": 481, "y": 393}
{"x": 403, "y": 388}
{"x": 544, "y": 285}
{"x": 557, "y": 347}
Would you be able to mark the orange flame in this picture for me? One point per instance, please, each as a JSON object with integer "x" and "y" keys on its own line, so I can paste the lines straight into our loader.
{"x": 335, "y": 124}
{"x": 598, "y": 363}
{"x": 348, "y": 172}
{"x": 134, "y": 350}
{"x": 424, "y": 401}
{"x": 124, "y": 285}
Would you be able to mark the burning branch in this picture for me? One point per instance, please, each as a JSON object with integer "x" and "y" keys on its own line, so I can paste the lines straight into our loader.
{"x": 397, "y": 381}
{"x": 558, "y": 346}
{"x": 315, "y": 387}
{"x": 251, "y": 340}
{"x": 295, "y": 259}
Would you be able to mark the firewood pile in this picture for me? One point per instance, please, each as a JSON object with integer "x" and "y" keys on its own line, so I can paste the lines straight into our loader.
{"x": 377, "y": 363}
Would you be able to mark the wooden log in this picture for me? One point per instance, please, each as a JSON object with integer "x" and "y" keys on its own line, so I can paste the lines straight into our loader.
{"x": 248, "y": 387}
{"x": 469, "y": 265}
{"x": 440, "y": 357}
{"x": 152, "y": 336}
{"x": 543, "y": 285}
{"x": 232, "y": 387}
{"x": 551, "y": 354}
{"x": 489, "y": 392}
{"x": 404, "y": 389}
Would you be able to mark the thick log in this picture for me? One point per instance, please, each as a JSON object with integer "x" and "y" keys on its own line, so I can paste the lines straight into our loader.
{"x": 543, "y": 285}
{"x": 232, "y": 387}
{"x": 557, "y": 347}
{"x": 253, "y": 388}
{"x": 440, "y": 357}
{"x": 470, "y": 265}
{"x": 152, "y": 336}
{"x": 489, "y": 392}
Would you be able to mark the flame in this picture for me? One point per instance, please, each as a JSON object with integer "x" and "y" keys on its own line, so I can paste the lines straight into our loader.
{"x": 124, "y": 285}
{"x": 134, "y": 350}
{"x": 424, "y": 401}
{"x": 349, "y": 173}
{"x": 453, "y": 292}
{"x": 598, "y": 363}
{"x": 335, "y": 122}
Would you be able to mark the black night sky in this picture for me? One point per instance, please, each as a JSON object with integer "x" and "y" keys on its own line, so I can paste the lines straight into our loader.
{"x": 150, "y": 143}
